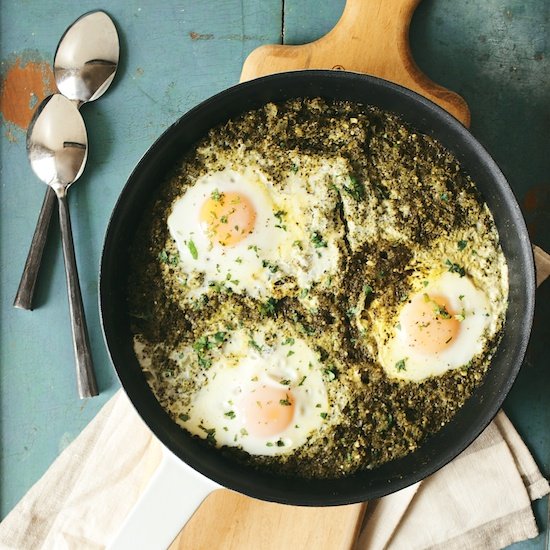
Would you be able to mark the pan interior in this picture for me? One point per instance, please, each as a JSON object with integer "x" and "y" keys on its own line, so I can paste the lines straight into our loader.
{"x": 425, "y": 117}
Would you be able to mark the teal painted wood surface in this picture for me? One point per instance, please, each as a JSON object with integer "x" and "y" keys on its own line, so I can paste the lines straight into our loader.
{"x": 174, "y": 54}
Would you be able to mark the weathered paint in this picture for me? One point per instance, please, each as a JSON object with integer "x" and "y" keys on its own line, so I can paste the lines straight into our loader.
{"x": 24, "y": 85}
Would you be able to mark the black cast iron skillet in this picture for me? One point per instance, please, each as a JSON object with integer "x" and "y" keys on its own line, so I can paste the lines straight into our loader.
{"x": 427, "y": 118}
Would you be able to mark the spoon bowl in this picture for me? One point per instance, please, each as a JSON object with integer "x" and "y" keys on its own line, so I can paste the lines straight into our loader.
{"x": 57, "y": 143}
{"x": 57, "y": 146}
{"x": 87, "y": 57}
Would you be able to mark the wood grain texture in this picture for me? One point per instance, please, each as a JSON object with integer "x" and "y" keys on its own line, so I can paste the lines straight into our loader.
{"x": 229, "y": 521}
{"x": 371, "y": 37}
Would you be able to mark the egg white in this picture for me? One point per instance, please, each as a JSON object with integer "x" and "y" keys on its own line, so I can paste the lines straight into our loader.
{"x": 248, "y": 363}
{"x": 293, "y": 237}
{"x": 401, "y": 360}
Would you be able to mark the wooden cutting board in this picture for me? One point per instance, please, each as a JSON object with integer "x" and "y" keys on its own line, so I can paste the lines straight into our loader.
{"x": 371, "y": 37}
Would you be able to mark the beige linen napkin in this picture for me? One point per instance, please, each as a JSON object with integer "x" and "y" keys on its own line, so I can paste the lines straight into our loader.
{"x": 482, "y": 499}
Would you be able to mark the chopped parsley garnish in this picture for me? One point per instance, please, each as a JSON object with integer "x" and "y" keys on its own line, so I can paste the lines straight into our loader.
{"x": 309, "y": 330}
{"x": 289, "y": 342}
{"x": 444, "y": 197}
{"x": 355, "y": 190}
{"x": 170, "y": 259}
{"x": 269, "y": 444}
{"x": 367, "y": 289}
{"x": 218, "y": 286}
{"x": 290, "y": 352}
{"x": 294, "y": 168}
{"x": 400, "y": 365}
{"x": 204, "y": 362}
{"x": 223, "y": 219}
{"x": 461, "y": 316}
{"x": 285, "y": 382}
{"x": 323, "y": 415}
{"x": 216, "y": 195}
{"x": 331, "y": 373}
{"x": 462, "y": 245}
{"x": 441, "y": 311}
{"x": 302, "y": 380}
{"x": 253, "y": 344}
{"x": 285, "y": 402}
{"x": 279, "y": 215}
{"x": 202, "y": 344}
{"x": 219, "y": 337}
{"x": 269, "y": 307}
{"x": 230, "y": 414}
{"x": 192, "y": 249}
{"x": 234, "y": 281}
{"x": 210, "y": 433}
{"x": 163, "y": 256}
{"x": 271, "y": 266}
{"x": 280, "y": 443}
{"x": 184, "y": 417}
{"x": 317, "y": 240}
{"x": 455, "y": 268}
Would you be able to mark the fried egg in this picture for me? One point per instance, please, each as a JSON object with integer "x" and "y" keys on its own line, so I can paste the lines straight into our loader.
{"x": 234, "y": 229}
{"x": 267, "y": 399}
{"x": 441, "y": 326}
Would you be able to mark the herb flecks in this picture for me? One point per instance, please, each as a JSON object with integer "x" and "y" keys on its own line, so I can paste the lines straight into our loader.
{"x": 169, "y": 259}
{"x": 268, "y": 308}
{"x": 401, "y": 365}
{"x": 254, "y": 345}
{"x": 280, "y": 214}
{"x": 355, "y": 189}
{"x": 455, "y": 268}
{"x": 331, "y": 373}
{"x": 192, "y": 249}
{"x": 317, "y": 240}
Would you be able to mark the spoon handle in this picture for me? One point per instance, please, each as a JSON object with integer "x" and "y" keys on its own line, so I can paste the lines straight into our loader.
{"x": 85, "y": 377}
{"x": 25, "y": 291}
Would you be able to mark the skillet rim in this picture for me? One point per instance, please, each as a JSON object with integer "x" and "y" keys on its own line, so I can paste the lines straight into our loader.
{"x": 353, "y": 491}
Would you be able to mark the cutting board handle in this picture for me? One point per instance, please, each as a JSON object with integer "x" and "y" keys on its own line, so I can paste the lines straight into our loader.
{"x": 372, "y": 37}
{"x": 172, "y": 496}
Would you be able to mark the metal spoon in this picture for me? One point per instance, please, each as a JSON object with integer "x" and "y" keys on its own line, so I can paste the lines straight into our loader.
{"x": 57, "y": 146}
{"x": 85, "y": 64}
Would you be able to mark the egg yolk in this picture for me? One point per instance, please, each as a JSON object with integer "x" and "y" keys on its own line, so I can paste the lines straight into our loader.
{"x": 268, "y": 411}
{"x": 228, "y": 218}
{"x": 428, "y": 323}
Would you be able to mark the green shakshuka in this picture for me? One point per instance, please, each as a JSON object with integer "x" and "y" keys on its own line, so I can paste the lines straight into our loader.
{"x": 316, "y": 288}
